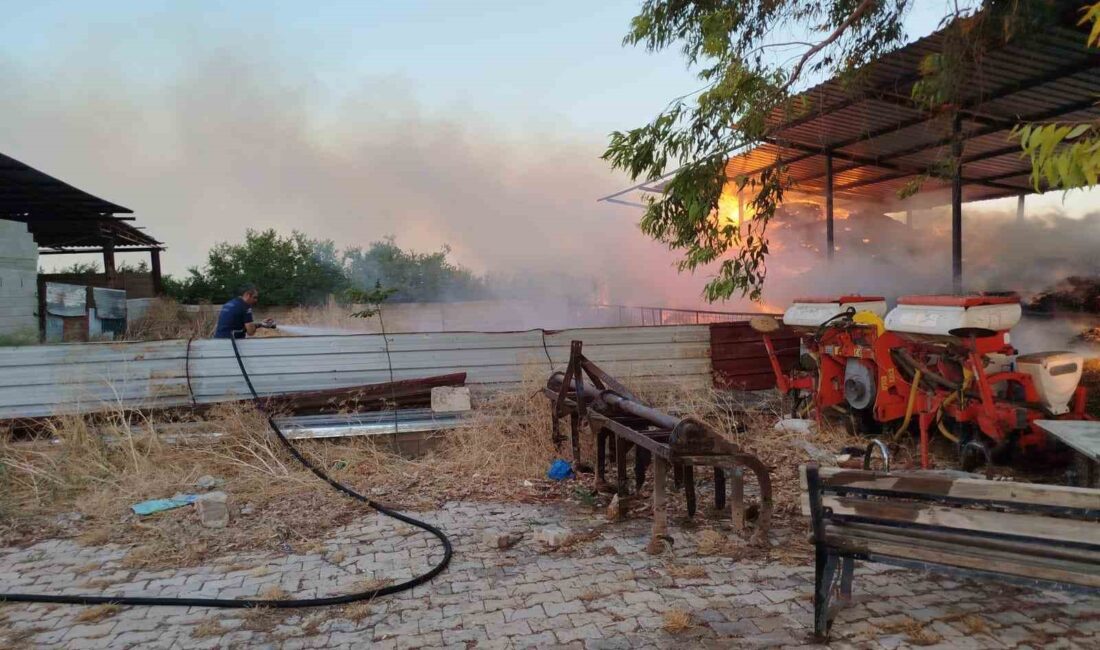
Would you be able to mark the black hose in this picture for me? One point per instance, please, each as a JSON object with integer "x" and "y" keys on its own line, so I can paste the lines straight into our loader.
{"x": 283, "y": 603}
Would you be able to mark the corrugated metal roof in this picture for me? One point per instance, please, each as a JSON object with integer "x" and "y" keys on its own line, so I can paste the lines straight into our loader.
{"x": 880, "y": 140}
{"x": 61, "y": 216}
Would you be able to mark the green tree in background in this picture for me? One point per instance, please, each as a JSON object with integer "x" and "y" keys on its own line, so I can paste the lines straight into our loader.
{"x": 291, "y": 270}
{"x": 412, "y": 276}
{"x": 298, "y": 270}
{"x": 752, "y": 57}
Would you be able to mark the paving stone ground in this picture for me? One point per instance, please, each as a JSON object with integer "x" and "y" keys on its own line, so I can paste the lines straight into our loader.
{"x": 605, "y": 593}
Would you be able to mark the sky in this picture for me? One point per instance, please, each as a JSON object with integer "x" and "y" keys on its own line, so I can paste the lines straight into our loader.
{"x": 476, "y": 124}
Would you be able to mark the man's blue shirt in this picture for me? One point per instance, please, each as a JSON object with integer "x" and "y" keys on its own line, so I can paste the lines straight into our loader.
{"x": 232, "y": 319}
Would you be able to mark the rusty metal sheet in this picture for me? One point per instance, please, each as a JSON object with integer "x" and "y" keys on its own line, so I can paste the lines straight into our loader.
{"x": 66, "y": 299}
{"x": 110, "y": 304}
{"x": 739, "y": 360}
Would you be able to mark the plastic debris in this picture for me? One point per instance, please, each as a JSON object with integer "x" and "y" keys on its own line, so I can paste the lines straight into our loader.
{"x": 153, "y": 506}
{"x": 560, "y": 470}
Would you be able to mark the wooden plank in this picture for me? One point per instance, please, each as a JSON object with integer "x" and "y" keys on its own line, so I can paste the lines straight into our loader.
{"x": 1076, "y": 573}
{"x": 1058, "y": 496}
{"x": 1030, "y": 526}
{"x": 1082, "y": 435}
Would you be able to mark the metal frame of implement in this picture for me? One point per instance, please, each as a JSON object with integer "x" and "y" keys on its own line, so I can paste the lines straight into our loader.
{"x": 621, "y": 421}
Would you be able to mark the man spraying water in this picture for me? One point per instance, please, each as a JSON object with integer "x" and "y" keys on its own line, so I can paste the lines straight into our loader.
{"x": 235, "y": 319}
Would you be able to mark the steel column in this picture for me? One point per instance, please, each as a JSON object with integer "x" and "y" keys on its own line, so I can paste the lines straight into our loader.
{"x": 956, "y": 204}
{"x": 154, "y": 269}
{"x": 1020, "y": 209}
{"x": 829, "y": 240}
{"x": 109, "y": 264}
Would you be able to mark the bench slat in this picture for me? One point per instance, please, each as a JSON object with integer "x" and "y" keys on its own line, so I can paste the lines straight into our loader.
{"x": 1055, "y": 496}
{"x": 964, "y": 540}
{"x": 951, "y": 555}
{"x": 1029, "y": 526}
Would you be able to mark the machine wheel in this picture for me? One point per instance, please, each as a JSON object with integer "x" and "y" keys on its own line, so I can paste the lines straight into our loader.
{"x": 975, "y": 454}
{"x": 862, "y": 422}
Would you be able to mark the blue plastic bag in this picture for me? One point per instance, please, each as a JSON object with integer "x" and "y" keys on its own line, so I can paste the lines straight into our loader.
{"x": 560, "y": 470}
{"x": 160, "y": 505}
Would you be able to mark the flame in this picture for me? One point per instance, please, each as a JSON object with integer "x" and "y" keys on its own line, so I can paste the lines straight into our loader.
{"x": 730, "y": 207}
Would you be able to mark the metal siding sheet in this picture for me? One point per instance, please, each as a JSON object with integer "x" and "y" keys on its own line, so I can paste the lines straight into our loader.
{"x": 66, "y": 299}
{"x": 109, "y": 303}
{"x": 47, "y": 379}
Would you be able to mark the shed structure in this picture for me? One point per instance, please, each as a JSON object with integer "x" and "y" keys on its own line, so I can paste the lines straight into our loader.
{"x": 65, "y": 220}
{"x": 865, "y": 141}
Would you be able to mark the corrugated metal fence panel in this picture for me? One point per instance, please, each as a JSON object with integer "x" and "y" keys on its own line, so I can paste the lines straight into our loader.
{"x": 66, "y": 299}
{"x": 43, "y": 380}
{"x": 740, "y": 360}
{"x": 109, "y": 303}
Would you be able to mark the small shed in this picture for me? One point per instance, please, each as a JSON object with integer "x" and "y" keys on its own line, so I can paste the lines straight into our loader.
{"x": 64, "y": 220}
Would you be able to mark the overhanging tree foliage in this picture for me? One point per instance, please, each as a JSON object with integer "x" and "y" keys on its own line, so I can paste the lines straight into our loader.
{"x": 752, "y": 56}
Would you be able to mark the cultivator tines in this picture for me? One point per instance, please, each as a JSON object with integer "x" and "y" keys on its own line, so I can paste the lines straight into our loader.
{"x": 622, "y": 422}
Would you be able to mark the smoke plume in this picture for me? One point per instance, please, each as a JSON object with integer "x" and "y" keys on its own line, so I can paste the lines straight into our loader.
{"x": 235, "y": 138}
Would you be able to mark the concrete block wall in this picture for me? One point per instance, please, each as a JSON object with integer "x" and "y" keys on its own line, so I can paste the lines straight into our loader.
{"x": 18, "y": 283}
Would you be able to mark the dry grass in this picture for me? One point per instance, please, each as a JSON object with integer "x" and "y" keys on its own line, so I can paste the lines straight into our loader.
{"x": 713, "y": 542}
{"x": 101, "y": 465}
{"x": 975, "y": 624}
{"x": 262, "y": 619}
{"x": 211, "y": 627}
{"x": 686, "y": 571}
{"x": 676, "y": 621}
{"x": 356, "y": 612}
{"x": 589, "y": 596}
{"x": 274, "y": 592}
{"x": 166, "y": 319}
{"x": 915, "y": 632}
{"x": 97, "y": 613}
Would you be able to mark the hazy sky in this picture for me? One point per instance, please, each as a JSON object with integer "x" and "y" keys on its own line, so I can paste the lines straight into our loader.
{"x": 477, "y": 123}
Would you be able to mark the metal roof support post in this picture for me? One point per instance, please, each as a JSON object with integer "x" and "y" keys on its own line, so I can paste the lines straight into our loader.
{"x": 154, "y": 269}
{"x": 1020, "y": 209}
{"x": 829, "y": 242}
{"x": 109, "y": 263}
{"x": 956, "y": 203}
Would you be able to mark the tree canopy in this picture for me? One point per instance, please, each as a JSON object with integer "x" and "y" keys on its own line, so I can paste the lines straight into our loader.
{"x": 752, "y": 57}
{"x": 299, "y": 270}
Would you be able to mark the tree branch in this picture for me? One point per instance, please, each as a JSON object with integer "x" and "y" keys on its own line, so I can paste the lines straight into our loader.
{"x": 863, "y": 8}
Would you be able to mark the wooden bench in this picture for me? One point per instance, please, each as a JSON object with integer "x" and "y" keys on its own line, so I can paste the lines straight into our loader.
{"x": 1046, "y": 536}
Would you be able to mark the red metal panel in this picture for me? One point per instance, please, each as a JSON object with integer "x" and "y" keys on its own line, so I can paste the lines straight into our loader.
{"x": 739, "y": 360}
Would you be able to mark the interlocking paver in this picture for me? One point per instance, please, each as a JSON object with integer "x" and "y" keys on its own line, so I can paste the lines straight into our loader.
{"x": 528, "y": 597}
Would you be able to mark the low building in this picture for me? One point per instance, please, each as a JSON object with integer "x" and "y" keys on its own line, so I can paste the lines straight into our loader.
{"x": 41, "y": 215}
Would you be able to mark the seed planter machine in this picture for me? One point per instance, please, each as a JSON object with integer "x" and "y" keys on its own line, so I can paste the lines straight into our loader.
{"x": 934, "y": 364}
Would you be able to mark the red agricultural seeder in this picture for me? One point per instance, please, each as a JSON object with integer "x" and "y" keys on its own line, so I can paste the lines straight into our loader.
{"x": 943, "y": 363}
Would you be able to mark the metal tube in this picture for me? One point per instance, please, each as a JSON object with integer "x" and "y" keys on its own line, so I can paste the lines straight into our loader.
{"x": 829, "y": 240}
{"x": 617, "y": 401}
{"x": 956, "y": 205}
